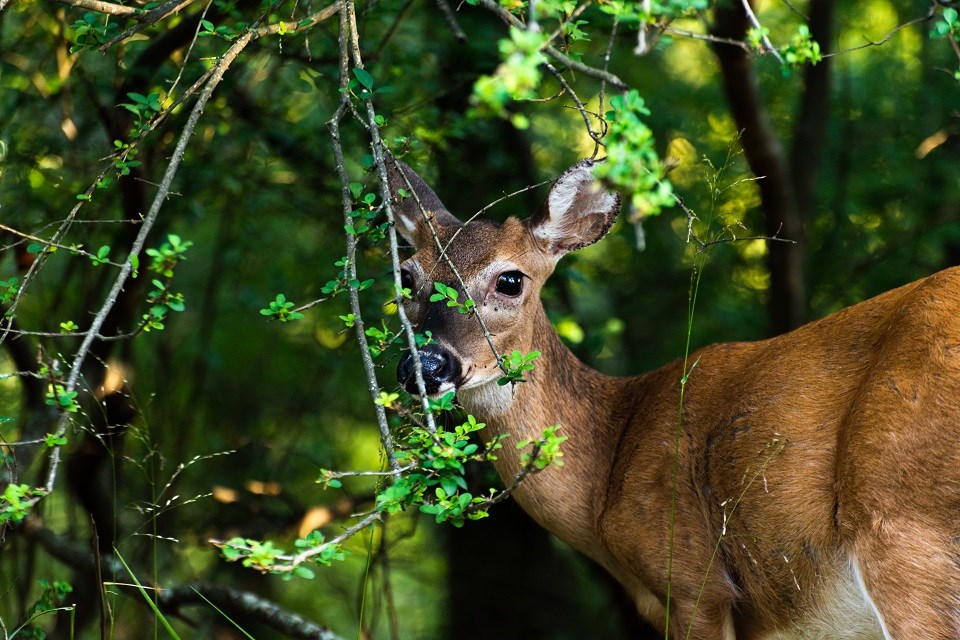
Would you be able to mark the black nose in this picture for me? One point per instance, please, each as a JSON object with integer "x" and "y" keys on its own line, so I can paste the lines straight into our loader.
{"x": 438, "y": 364}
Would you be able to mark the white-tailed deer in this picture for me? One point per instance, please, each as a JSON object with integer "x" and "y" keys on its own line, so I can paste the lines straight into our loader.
{"x": 818, "y": 485}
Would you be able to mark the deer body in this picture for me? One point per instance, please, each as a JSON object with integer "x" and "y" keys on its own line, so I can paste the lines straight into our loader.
{"x": 816, "y": 474}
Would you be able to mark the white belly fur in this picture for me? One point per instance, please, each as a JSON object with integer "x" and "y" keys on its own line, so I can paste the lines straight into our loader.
{"x": 846, "y": 613}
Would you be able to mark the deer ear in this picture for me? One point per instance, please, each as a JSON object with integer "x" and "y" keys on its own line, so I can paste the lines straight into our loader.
{"x": 408, "y": 194}
{"x": 578, "y": 211}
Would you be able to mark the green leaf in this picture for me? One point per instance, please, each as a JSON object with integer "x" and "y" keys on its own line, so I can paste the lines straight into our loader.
{"x": 304, "y": 572}
{"x": 363, "y": 77}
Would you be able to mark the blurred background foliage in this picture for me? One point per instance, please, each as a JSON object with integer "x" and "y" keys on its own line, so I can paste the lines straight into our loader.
{"x": 229, "y": 417}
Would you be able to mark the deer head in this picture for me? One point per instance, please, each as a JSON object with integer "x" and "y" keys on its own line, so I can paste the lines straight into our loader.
{"x": 501, "y": 266}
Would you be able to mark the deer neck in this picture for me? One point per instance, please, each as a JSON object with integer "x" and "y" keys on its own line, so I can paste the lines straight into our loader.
{"x": 563, "y": 391}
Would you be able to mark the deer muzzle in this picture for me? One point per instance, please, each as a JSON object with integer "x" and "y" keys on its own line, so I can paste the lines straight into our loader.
{"x": 439, "y": 365}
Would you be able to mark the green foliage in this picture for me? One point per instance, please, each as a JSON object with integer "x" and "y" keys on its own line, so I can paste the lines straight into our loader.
{"x": 334, "y": 288}
{"x": 166, "y": 258}
{"x": 281, "y": 309}
{"x": 546, "y": 450}
{"x": 57, "y": 396}
{"x": 452, "y": 298}
{"x": 16, "y": 501}
{"x": 144, "y": 108}
{"x": 803, "y": 49}
{"x": 756, "y": 36}
{"x": 329, "y": 552}
{"x": 53, "y": 440}
{"x": 437, "y": 485}
{"x": 631, "y": 13}
{"x": 515, "y": 364}
{"x": 93, "y": 30}
{"x": 947, "y": 26}
{"x": 255, "y": 554}
{"x": 382, "y": 338}
{"x": 9, "y": 288}
{"x": 423, "y": 339}
{"x": 387, "y": 400}
{"x": 227, "y": 32}
{"x": 51, "y": 598}
{"x": 68, "y": 326}
{"x": 442, "y": 403}
{"x": 102, "y": 256}
{"x": 633, "y": 165}
{"x": 162, "y": 296}
{"x": 123, "y": 158}
{"x": 153, "y": 319}
{"x": 362, "y": 86}
{"x": 266, "y": 557}
{"x": 517, "y": 78}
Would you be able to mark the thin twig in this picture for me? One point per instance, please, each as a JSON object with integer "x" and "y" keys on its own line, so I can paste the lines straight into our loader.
{"x": 193, "y": 41}
{"x": 451, "y": 19}
{"x": 144, "y": 20}
{"x": 576, "y": 100}
{"x": 707, "y": 37}
{"x": 644, "y": 41}
{"x": 386, "y": 438}
{"x": 890, "y": 34}
{"x": 768, "y": 46}
{"x": 49, "y": 243}
{"x": 298, "y": 559}
{"x": 99, "y": 6}
{"x": 378, "y": 148}
{"x": 603, "y": 85}
{"x": 573, "y": 16}
{"x": 310, "y": 21}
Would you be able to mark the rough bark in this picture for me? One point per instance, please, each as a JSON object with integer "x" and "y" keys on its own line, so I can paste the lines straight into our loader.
{"x": 811, "y": 127}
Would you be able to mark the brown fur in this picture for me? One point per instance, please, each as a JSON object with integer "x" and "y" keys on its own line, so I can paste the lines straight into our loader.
{"x": 836, "y": 445}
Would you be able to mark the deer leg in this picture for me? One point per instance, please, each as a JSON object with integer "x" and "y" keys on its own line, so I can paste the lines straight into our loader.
{"x": 910, "y": 574}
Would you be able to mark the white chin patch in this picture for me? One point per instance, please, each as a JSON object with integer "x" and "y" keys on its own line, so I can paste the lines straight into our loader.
{"x": 486, "y": 399}
{"x": 444, "y": 389}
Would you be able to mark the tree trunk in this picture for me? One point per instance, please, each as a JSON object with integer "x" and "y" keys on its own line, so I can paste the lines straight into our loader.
{"x": 767, "y": 160}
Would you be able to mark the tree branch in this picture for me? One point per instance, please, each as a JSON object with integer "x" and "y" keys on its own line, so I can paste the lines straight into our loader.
{"x": 99, "y": 6}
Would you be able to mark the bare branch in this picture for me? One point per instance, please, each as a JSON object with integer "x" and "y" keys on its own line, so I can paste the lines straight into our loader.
{"x": 386, "y": 438}
{"x": 645, "y": 42}
{"x": 451, "y": 19}
{"x": 597, "y": 139}
{"x": 768, "y": 46}
{"x": 146, "y": 19}
{"x": 870, "y": 43}
{"x": 310, "y": 21}
{"x": 99, "y": 6}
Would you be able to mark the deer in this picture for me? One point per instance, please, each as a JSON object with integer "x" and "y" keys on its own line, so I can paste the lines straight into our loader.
{"x": 810, "y": 482}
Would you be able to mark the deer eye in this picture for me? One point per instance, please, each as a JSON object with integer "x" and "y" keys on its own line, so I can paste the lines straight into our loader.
{"x": 510, "y": 283}
{"x": 406, "y": 280}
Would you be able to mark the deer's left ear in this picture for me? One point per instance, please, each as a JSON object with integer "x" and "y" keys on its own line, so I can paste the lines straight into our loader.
{"x": 411, "y": 212}
{"x": 578, "y": 211}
